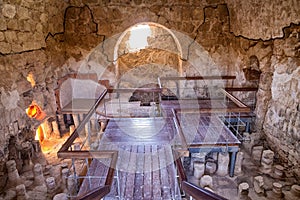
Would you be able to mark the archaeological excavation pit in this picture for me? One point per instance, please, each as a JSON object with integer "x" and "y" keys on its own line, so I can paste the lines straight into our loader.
{"x": 108, "y": 99}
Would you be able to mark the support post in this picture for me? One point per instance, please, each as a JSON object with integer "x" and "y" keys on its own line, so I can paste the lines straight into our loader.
{"x": 232, "y": 163}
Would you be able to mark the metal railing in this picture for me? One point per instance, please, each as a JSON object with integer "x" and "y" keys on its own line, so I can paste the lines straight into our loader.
{"x": 191, "y": 190}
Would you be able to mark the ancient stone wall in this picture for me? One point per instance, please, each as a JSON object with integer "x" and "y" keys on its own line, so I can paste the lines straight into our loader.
{"x": 282, "y": 121}
{"x": 48, "y": 39}
{"x": 267, "y": 18}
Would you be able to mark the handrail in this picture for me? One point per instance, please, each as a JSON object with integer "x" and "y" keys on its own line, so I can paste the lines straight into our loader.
{"x": 199, "y": 193}
{"x": 197, "y": 77}
{"x": 239, "y": 89}
{"x": 95, "y": 194}
{"x": 80, "y": 127}
{"x": 98, "y": 192}
{"x": 125, "y": 90}
{"x": 192, "y": 190}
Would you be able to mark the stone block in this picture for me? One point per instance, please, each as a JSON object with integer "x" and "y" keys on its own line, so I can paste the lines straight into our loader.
{"x": 3, "y": 25}
{"x": 206, "y": 181}
{"x": 13, "y": 24}
{"x": 223, "y": 162}
{"x": 61, "y": 196}
{"x": 267, "y": 161}
{"x": 256, "y": 153}
{"x": 9, "y": 10}
{"x": 5, "y": 47}
{"x": 21, "y": 192}
{"x": 199, "y": 168}
{"x": 23, "y": 13}
{"x": 258, "y": 184}
{"x": 210, "y": 167}
{"x": 239, "y": 163}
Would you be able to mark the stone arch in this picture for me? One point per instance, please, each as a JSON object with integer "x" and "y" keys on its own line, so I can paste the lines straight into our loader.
{"x": 151, "y": 24}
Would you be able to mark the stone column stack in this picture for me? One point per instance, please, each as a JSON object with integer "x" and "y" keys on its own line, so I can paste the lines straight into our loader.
{"x": 199, "y": 168}
{"x": 243, "y": 191}
{"x": 21, "y": 192}
{"x": 239, "y": 163}
{"x": 13, "y": 174}
{"x": 51, "y": 186}
{"x": 267, "y": 161}
{"x": 39, "y": 178}
{"x": 258, "y": 184}
{"x": 223, "y": 162}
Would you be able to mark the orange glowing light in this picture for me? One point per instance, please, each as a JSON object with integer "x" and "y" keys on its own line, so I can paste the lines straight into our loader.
{"x": 30, "y": 78}
{"x": 34, "y": 111}
{"x": 39, "y": 134}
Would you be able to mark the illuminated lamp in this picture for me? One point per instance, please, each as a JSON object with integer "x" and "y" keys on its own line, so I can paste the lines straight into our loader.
{"x": 34, "y": 111}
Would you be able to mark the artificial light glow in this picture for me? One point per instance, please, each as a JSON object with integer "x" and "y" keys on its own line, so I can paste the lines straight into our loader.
{"x": 139, "y": 37}
{"x": 30, "y": 78}
{"x": 39, "y": 134}
{"x": 34, "y": 111}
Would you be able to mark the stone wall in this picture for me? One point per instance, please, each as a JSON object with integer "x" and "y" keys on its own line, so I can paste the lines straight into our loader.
{"x": 48, "y": 39}
{"x": 267, "y": 18}
{"x": 282, "y": 121}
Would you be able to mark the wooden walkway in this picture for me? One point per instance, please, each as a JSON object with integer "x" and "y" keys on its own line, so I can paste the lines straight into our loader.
{"x": 145, "y": 166}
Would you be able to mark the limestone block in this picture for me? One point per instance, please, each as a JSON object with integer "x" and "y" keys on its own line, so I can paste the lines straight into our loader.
{"x": 199, "y": 168}
{"x": 243, "y": 189}
{"x": 199, "y": 156}
{"x": 51, "y": 185}
{"x": 267, "y": 161}
{"x": 39, "y": 178}
{"x": 256, "y": 153}
{"x": 206, "y": 181}
{"x": 13, "y": 174}
{"x": 61, "y": 196}
{"x": 64, "y": 177}
{"x": 5, "y": 47}
{"x": 44, "y": 18}
{"x": 1, "y": 36}
{"x": 72, "y": 185}
{"x": 21, "y": 192}
{"x": 9, "y": 10}
{"x": 3, "y": 25}
{"x": 258, "y": 184}
{"x": 239, "y": 163}
{"x": 12, "y": 24}
{"x": 295, "y": 189}
{"x": 38, "y": 193}
{"x": 223, "y": 162}
{"x": 277, "y": 189}
{"x": 278, "y": 171}
{"x": 10, "y": 194}
{"x": 23, "y": 13}
{"x": 210, "y": 167}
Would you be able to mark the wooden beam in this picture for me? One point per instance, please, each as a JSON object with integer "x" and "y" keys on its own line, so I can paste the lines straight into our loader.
{"x": 214, "y": 110}
{"x": 111, "y": 171}
{"x": 95, "y": 194}
{"x": 127, "y": 90}
{"x": 86, "y": 154}
{"x": 178, "y": 78}
{"x": 242, "y": 89}
{"x": 234, "y": 99}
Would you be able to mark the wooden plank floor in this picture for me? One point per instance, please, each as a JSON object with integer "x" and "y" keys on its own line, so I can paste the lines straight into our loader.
{"x": 145, "y": 166}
